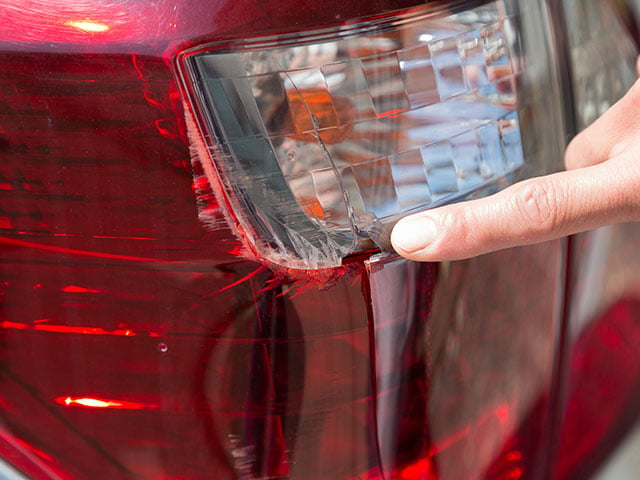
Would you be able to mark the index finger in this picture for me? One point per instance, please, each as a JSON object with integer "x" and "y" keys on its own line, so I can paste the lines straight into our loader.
{"x": 532, "y": 211}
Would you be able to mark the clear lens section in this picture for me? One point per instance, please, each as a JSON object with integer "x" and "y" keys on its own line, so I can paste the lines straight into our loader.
{"x": 322, "y": 146}
{"x": 603, "y": 57}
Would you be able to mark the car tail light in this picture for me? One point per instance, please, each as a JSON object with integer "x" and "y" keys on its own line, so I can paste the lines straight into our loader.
{"x": 319, "y": 141}
{"x": 137, "y": 340}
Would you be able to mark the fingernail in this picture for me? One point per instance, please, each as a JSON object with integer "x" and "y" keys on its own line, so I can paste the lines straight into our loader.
{"x": 413, "y": 234}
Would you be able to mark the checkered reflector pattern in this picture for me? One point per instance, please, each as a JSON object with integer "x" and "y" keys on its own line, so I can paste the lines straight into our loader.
{"x": 360, "y": 130}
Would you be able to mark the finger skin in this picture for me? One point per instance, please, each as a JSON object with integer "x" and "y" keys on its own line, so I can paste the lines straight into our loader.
{"x": 529, "y": 212}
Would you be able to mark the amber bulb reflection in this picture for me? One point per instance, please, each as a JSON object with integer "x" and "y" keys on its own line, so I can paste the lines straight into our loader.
{"x": 315, "y": 109}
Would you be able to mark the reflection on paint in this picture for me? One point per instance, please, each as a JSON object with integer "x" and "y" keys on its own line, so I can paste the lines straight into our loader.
{"x": 88, "y": 26}
{"x": 82, "y": 330}
{"x": 103, "y": 403}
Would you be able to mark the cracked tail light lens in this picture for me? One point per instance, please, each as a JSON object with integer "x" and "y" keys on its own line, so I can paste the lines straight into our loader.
{"x": 322, "y": 141}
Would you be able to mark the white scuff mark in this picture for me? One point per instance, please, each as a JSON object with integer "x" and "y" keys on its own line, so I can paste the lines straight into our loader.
{"x": 327, "y": 255}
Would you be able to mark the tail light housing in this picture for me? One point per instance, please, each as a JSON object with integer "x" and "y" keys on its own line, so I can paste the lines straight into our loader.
{"x": 317, "y": 142}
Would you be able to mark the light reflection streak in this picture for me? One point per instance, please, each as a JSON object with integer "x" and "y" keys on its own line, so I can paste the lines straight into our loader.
{"x": 81, "y": 330}
{"x": 90, "y": 402}
{"x": 241, "y": 281}
{"x": 73, "y": 251}
{"x": 88, "y": 26}
{"x": 78, "y": 289}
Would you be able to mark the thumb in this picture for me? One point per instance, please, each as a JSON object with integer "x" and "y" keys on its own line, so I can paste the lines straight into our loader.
{"x": 532, "y": 211}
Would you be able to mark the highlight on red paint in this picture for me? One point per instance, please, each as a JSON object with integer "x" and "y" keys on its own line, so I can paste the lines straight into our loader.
{"x": 246, "y": 278}
{"x": 88, "y": 26}
{"x": 502, "y": 412}
{"x": 423, "y": 469}
{"x": 78, "y": 289}
{"x": 73, "y": 251}
{"x": 81, "y": 330}
{"x": 89, "y": 402}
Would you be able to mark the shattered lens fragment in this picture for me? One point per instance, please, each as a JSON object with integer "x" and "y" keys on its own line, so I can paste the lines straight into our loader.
{"x": 322, "y": 142}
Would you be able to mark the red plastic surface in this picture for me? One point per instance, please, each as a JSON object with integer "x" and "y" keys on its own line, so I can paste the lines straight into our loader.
{"x": 602, "y": 378}
{"x": 136, "y": 343}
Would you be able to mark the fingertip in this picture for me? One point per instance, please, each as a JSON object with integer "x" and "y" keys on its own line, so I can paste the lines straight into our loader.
{"x": 412, "y": 235}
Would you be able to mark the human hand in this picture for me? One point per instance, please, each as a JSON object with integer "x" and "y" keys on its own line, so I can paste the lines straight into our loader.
{"x": 601, "y": 186}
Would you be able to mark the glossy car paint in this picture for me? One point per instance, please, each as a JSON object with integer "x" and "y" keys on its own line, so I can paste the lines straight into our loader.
{"x": 136, "y": 343}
